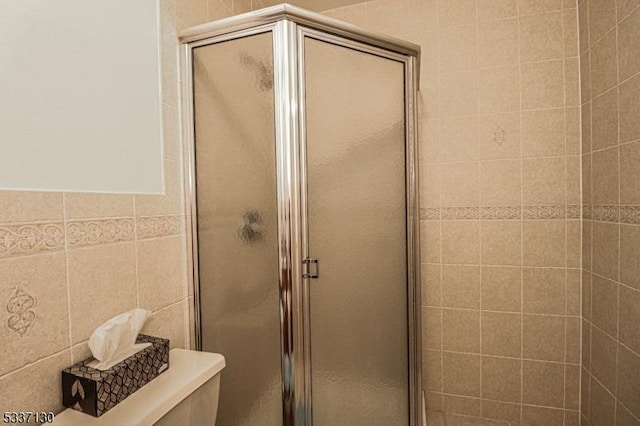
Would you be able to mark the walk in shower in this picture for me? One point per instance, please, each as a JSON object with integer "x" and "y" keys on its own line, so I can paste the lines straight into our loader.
{"x": 303, "y": 190}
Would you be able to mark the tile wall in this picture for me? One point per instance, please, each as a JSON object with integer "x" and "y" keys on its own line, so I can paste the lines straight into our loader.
{"x": 610, "y": 66}
{"x": 500, "y": 197}
{"x": 70, "y": 261}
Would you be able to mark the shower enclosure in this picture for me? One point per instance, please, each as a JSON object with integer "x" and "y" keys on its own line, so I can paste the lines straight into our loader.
{"x": 300, "y": 133}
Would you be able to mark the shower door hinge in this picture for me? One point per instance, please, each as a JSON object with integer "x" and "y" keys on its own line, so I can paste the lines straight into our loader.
{"x": 310, "y": 268}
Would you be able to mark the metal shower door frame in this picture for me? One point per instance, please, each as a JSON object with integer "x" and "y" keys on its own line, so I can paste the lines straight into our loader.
{"x": 413, "y": 263}
{"x": 289, "y": 26}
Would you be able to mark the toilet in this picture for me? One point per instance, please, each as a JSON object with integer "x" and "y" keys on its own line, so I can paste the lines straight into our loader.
{"x": 186, "y": 394}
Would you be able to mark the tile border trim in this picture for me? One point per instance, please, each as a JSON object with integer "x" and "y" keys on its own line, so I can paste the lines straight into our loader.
{"x": 460, "y": 213}
{"x": 629, "y": 214}
{"x": 159, "y": 226}
{"x": 21, "y": 239}
{"x": 31, "y": 238}
{"x": 92, "y": 232}
{"x": 537, "y": 212}
{"x": 502, "y": 213}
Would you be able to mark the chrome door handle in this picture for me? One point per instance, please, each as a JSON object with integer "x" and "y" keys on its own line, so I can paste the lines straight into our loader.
{"x": 310, "y": 268}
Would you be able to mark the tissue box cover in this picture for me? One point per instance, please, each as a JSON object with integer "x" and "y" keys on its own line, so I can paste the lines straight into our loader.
{"x": 95, "y": 392}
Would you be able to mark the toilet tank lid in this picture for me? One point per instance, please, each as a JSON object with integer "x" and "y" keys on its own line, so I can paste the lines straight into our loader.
{"x": 188, "y": 370}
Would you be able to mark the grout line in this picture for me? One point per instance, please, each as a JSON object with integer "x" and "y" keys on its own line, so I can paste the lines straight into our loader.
{"x": 594, "y": 377}
{"x": 624, "y": 18}
{"x": 37, "y": 253}
{"x": 596, "y": 41}
{"x": 599, "y": 150}
{"x": 157, "y": 237}
{"x": 37, "y": 222}
{"x": 582, "y": 226}
{"x": 627, "y": 286}
{"x": 505, "y": 112}
{"x": 493, "y": 114}
{"x": 512, "y": 64}
{"x": 100, "y": 219}
{"x": 544, "y": 12}
{"x": 479, "y": 170}
{"x": 135, "y": 251}
{"x": 628, "y": 142}
{"x": 566, "y": 232}
{"x": 615, "y": 28}
{"x": 66, "y": 267}
{"x": 590, "y": 130}
{"x": 510, "y": 266}
{"x": 619, "y": 343}
{"x": 542, "y": 61}
{"x": 96, "y": 245}
{"x": 607, "y": 91}
{"x": 506, "y": 357}
{"x": 502, "y": 401}
{"x": 543, "y": 157}
{"x": 533, "y": 314}
{"x": 168, "y": 306}
{"x": 501, "y": 266}
{"x": 41, "y": 359}
{"x": 636, "y": 418}
{"x": 522, "y": 221}
{"x": 439, "y": 142}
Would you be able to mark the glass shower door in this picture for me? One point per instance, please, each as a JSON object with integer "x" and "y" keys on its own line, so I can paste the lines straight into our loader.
{"x": 356, "y": 217}
{"x": 237, "y": 224}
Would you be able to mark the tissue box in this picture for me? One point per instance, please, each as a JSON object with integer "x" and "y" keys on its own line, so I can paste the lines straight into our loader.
{"x": 95, "y": 392}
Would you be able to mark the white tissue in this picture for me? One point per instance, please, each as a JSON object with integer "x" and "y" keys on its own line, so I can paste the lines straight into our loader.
{"x": 115, "y": 340}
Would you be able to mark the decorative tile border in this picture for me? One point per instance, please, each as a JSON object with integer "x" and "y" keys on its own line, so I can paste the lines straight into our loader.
{"x": 30, "y": 238}
{"x": 92, "y": 232}
{"x": 574, "y": 211}
{"x": 544, "y": 212}
{"x": 630, "y": 214}
{"x": 463, "y": 213}
{"x": 502, "y": 212}
{"x": 430, "y": 213}
{"x": 605, "y": 213}
{"x": 158, "y": 226}
{"x": 612, "y": 213}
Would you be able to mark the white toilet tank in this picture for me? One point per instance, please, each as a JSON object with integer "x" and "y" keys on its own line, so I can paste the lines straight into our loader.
{"x": 186, "y": 395}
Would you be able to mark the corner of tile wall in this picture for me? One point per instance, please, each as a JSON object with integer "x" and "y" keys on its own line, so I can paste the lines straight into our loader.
{"x": 610, "y": 69}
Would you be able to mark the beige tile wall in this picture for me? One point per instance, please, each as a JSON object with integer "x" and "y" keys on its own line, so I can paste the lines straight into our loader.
{"x": 500, "y": 196}
{"x": 610, "y": 66}
{"x": 70, "y": 261}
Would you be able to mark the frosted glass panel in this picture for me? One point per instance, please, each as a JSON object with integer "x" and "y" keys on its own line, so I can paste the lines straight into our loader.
{"x": 237, "y": 225}
{"x": 357, "y": 230}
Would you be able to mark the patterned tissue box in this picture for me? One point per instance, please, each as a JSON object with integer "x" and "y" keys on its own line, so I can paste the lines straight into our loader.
{"x": 95, "y": 392}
